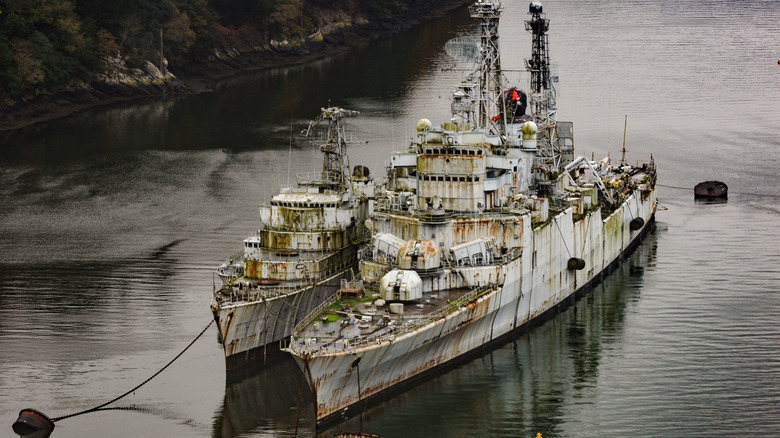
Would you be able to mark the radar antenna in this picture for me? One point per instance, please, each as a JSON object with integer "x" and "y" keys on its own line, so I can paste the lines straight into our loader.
{"x": 463, "y": 48}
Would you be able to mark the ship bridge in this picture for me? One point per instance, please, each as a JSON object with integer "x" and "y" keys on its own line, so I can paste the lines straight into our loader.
{"x": 457, "y": 171}
{"x": 307, "y": 220}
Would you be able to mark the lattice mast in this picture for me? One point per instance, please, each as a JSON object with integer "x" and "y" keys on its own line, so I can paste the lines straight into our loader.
{"x": 490, "y": 113}
{"x": 335, "y": 164}
{"x": 542, "y": 96}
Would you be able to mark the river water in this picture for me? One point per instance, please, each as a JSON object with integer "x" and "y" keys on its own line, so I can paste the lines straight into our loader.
{"x": 112, "y": 220}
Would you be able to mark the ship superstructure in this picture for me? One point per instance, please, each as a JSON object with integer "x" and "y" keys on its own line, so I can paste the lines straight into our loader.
{"x": 306, "y": 244}
{"x": 487, "y": 223}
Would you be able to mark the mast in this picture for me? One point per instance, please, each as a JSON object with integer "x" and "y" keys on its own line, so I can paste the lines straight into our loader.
{"x": 335, "y": 164}
{"x": 542, "y": 96}
{"x": 490, "y": 78}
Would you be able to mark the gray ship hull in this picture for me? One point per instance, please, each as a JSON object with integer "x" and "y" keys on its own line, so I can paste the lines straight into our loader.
{"x": 534, "y": 286}
{"x": 249, "y": 330}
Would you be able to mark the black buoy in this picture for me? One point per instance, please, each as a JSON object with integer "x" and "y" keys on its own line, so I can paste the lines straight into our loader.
{"x": 32, "y": 422}
{"x": 636, "y": 223}
{"x": 576, "y": 264}
{"x": 36, "y": 424}
{"x": 711, "y": 189}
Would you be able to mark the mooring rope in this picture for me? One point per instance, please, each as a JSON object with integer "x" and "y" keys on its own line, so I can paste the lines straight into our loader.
{"x": 98, "y": 408}
{"x": 563, "y": 239}
{"x": 675, "y": 187}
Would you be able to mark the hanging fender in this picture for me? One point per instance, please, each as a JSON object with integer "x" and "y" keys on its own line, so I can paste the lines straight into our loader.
{"x": 637, "y": 223}
{"x": 576, "y": 264}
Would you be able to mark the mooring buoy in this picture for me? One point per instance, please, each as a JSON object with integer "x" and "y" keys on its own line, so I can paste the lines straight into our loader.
{"x": 31, "y": 422}
{"x": 711, "y": 189}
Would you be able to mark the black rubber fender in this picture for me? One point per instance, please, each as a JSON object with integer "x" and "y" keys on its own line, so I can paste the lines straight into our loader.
{"x": 637, "y": 223}
{"x": 577, "y": 264}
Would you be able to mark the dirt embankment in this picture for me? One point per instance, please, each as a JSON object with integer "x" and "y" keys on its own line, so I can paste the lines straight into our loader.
{"x": 246, "y": 49}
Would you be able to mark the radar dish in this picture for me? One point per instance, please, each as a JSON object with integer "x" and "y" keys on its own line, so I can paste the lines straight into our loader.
{"x": 463, "y": 48}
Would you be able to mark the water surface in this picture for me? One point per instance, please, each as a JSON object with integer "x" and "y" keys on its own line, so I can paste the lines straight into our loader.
{"x": 112, "y": 220}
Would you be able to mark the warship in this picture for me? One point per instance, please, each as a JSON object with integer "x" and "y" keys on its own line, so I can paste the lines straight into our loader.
{"x": 488, "y": 222}
{"x": 306, "y": 244}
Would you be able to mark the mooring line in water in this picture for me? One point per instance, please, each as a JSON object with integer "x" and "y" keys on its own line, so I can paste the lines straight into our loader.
{"x": 97, "y": 408}
{"x": 674, "y": 187}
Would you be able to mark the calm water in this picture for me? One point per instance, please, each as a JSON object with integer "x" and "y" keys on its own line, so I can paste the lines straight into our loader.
{"x": 111, "y": 222}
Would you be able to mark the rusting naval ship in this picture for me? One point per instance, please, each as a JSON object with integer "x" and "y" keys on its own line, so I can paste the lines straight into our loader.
{"x": 488, "y": 222}
{"x": 306, "y": 244}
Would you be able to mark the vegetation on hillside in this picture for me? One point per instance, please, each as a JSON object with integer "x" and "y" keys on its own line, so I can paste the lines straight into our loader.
{"x": 45, "y": 44}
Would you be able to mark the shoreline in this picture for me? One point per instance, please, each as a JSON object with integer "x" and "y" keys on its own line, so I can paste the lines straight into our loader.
{"x": 196, "y": 78}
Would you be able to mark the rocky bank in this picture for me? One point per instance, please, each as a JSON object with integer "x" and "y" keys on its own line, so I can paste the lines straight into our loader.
{"x": 245, "y": 49}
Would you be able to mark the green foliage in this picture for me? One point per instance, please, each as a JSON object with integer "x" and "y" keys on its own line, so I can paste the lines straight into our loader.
{"x": 105, "y": 44}
{"x": 287, "y": 19}
{"x": 202, "y": 23}
{"x": 331, "y": 317}
{"x": 178, "y": 30}
{"x": 8, "y": 67}
{"x": 44, "y": 46}
{"x": 49, "y": 43}
{"x": 237, "y": 12}
{"x": 384, "y": 8}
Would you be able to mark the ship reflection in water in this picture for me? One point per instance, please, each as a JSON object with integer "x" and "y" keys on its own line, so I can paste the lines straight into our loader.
{"x": 268, "y": 397}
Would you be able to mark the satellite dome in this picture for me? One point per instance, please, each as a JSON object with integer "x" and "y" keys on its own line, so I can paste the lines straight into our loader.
{"x": 424, "y": 125}
{"x": 529, "y": 130}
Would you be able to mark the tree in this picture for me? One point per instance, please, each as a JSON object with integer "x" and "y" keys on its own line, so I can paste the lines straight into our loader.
{"x": 178, "y": 31}
{"x": 105, "y": 44}
{"x": 287, "y": 19}
{"x": 28, "y": 66}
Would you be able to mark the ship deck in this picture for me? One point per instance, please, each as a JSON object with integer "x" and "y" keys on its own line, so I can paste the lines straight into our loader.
{"x": 342, "y": 324}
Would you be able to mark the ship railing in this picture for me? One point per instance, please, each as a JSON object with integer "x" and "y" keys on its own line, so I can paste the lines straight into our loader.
{"x": 324, "y": 254}
{"x": 318, "y": 178}
{"x": 366, "y": 253}
{"x": 308, "y": 319}
{"x": 642, "y": 164}
{"x": 397, "y": 205}
{"x": 230, "y": 261}
{"x": 251, "y": 295}
{"x": 230, "y": 294}
{"x": 462, "y": 106}
{"x": 510, "y": 255}
{"x": 228, "y": 272}
{"x": 339, "y": 228}
{"x": 236, "y": 256}
{"x": 384, "y": 204}
{"x": 434, "y": 217}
